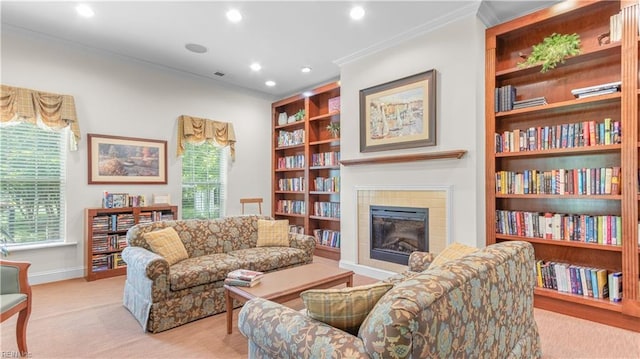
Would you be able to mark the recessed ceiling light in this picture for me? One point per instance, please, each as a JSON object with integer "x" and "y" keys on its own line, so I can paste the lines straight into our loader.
{"x": 306, "y": 69}
{"x": 255, "y": 66}
{"x": 270, "y": 83}
{"x": 357, "y": 13}
{"x": 84, "y": 10}
{"x": 197, "y": 48}
{"x": 307, "y": 94}
{"x": 234, "y": 15}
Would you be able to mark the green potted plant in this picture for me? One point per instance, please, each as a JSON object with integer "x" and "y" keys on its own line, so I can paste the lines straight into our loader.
{"x": 552, "y": 50}
{"x": 300, "y": 115}
{"x": 334, "y": 129}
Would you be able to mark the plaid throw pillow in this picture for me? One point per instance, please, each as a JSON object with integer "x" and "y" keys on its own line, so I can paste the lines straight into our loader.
{"x": 168, "y": 244}
{"x": 343, "y": 308}
{"x": 453, "y": 251}
{"x": 273, "y": 233}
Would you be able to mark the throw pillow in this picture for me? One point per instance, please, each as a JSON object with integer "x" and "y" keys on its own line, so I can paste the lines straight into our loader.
{"x": 453, "y": 251}
{"x": 168, "y": 244}
{"x": 273, "y": 233}
{"x": 343, "y": 308}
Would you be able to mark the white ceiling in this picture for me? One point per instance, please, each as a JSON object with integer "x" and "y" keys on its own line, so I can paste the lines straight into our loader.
{"x": 282, "y": 36}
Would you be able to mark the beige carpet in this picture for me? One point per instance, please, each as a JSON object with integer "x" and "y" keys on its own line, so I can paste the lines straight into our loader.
{"x": 79, "y": 319}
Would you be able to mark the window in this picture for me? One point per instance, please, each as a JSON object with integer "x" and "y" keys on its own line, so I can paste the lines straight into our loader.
{"x": 32, "y": 184}
{"x": 203, "y": 181}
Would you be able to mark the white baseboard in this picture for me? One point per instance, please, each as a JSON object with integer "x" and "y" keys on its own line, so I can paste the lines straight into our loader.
{"x": 367, "y": 271}
{"x": 56, "y": 275}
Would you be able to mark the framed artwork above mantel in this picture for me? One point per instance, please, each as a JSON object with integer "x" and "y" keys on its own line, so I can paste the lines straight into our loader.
{"x": 126, "y": 160}
{"x": 399, "y": 114}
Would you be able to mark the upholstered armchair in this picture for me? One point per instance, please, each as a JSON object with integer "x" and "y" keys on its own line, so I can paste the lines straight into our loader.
{"x": 15, "y": 297}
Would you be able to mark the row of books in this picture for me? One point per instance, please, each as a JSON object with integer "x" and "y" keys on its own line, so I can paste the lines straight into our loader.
{"x": 505, "y": 96}
{"x": 327, "y": 237}
{"x": 121, "y": 200}
{"x": 290, "y": 206}
{"x": 102, "y": 262}
{"x": 327, "y": 184}
{"x": 296, "y": 161}
{"x": 154, "y": 216}
{"x": 113, "y": 222}
{"x": 603, "y": 229}
{"x": 286, "y": 138}
{"x": 568, "y": 135}
{"x": 108, "y": 242}
{"x": 291, "y": 184}
{"x": 326, "y": 209}
{"x": 243, "y": 278}
{"x": 581, "y": 181}
{"x": 325, "y": 159}
{"x": 580, "y": 280}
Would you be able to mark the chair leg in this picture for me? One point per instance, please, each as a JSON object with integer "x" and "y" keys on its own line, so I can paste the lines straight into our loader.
{"x": 21, "y": 331}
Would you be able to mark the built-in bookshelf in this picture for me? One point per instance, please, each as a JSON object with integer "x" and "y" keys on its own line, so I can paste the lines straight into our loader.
{"x": 106, "y": 233}
{"x": 562, "y": 156}
{"x": 306, "y": 168}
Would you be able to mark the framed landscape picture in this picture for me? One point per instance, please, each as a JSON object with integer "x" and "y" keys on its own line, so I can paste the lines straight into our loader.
{"x": 399, "y": 114}
{"x": 126, "y": 160}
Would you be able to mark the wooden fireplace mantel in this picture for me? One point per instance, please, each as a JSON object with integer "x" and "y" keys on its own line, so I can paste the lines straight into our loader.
{"x": 457, "y": 154}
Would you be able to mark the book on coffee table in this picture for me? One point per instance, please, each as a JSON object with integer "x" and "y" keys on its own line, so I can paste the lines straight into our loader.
{"x": 245, "y": 275}
{"x": 241, "y": 283}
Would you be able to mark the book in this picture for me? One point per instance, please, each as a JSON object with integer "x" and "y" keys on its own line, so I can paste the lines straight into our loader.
{"x": 241, "y": 283}
{"x": 245, "y": 275}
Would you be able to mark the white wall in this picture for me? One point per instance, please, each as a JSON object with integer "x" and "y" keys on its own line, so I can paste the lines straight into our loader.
{"x": 456, "y": 51}
{"x": 117, "y": 96}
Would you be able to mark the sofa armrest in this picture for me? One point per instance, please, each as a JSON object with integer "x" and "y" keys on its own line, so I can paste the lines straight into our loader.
{"x": 420, "y": 261}
{"x": 302, "y": 241}
{"x": 147, "y": 272}
{"x": 275, "y": 331}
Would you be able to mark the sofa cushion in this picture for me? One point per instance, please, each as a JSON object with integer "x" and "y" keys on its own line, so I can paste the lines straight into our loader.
{"x": 453, "y": 251}
{"x": 344, "y": 308}
{"x": 266, "y": 259}
{"x": 201, "y": 270}
{"x": 273, "y": 233}
{"x": 168, "y": 244}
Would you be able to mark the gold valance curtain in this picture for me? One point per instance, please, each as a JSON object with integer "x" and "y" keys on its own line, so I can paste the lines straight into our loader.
{"x": 198, "y": 130}
{"x": 48, "y": 110}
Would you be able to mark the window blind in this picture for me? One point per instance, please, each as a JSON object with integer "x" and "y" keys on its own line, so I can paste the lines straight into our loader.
{"x": 32, "y": 184}
{"x": 203, "y": 181}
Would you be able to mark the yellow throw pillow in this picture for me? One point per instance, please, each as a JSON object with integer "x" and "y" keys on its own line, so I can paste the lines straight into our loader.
{"x": 168, "y": 244}
{"x": 453, "y": 251}
{"x": 273, "y": 233}
{"x": 343, "y": 308}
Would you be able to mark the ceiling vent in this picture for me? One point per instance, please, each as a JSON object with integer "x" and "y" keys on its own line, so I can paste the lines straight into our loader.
{"x": 218, "y": 73}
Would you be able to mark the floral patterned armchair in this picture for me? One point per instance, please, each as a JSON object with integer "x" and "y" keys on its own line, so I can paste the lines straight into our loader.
{"x": 478, "y": 306}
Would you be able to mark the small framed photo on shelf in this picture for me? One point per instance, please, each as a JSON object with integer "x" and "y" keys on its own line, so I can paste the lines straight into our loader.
{"x": 161, "y": 199}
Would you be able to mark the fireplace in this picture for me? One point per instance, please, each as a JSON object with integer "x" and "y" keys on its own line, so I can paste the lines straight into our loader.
{"x": 398, "y": 231}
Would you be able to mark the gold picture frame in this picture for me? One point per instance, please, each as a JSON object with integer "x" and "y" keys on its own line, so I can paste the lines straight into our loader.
{"x": 399, "y": 114}
{"x": 126, "y": 160}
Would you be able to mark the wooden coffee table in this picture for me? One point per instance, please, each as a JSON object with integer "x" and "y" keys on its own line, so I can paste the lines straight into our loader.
{"x": 287, "y": 284}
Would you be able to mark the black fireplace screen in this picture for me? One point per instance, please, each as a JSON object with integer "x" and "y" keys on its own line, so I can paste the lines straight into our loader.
{"x": 398, "y": 231}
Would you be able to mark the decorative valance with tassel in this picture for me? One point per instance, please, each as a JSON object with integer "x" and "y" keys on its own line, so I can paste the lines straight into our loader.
{"x": 48, "y": 110}
{"x": 198, "y": 130}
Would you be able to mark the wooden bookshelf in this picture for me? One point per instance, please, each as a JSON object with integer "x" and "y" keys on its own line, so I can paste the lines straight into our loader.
{"x": 596, "y": 64}
{"x": 296, "y": 195}
{"x": 106, "y": 230}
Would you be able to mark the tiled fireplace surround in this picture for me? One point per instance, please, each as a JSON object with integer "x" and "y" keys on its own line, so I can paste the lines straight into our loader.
{"x": 436, "y": 198}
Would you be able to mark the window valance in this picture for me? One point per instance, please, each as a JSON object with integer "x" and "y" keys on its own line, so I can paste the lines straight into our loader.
{"x": 197, "y": 130}
{"x": 48, "y": 110}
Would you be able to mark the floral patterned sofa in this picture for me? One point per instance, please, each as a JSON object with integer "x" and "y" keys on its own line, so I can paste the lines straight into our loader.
{"x": 478, "y": 306}
{"x": 162, "y": 297}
